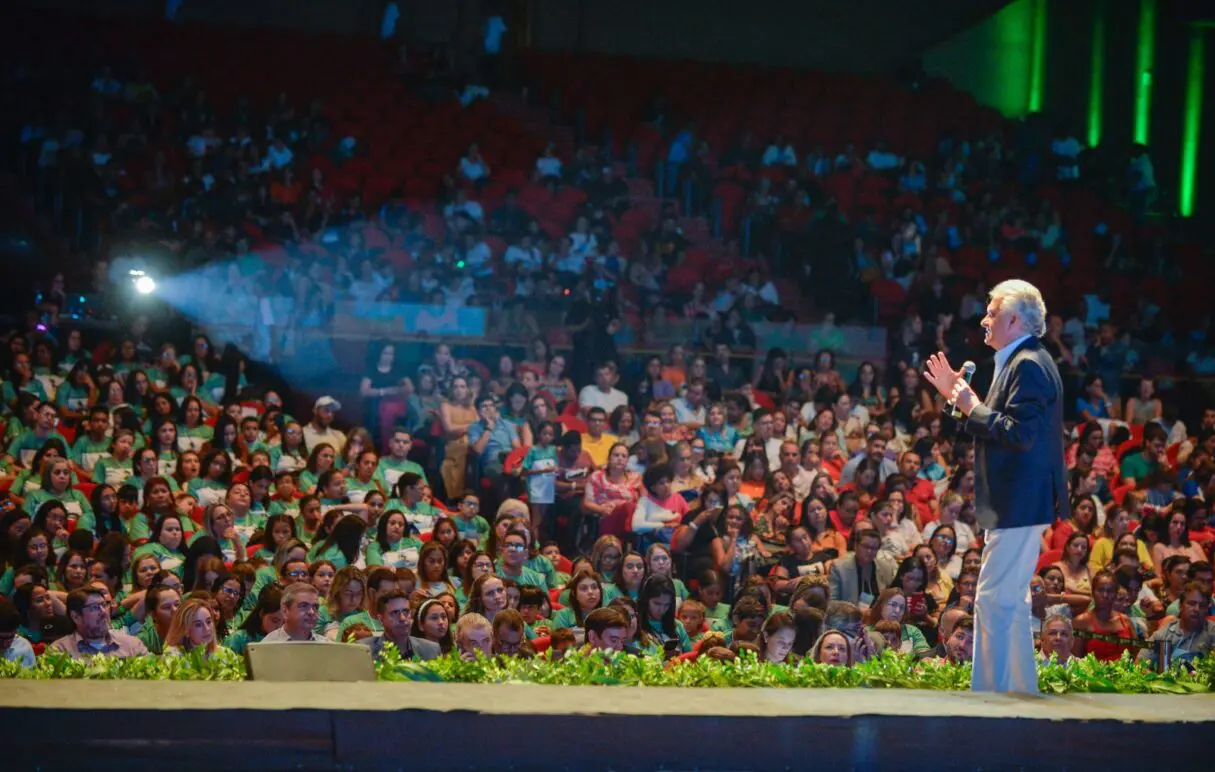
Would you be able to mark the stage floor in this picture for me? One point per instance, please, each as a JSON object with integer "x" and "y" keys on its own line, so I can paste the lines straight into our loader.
{"x": 133, "y": 726}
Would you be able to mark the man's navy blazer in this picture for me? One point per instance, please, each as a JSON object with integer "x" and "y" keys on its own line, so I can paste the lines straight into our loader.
{"x": 1020, "y": 475}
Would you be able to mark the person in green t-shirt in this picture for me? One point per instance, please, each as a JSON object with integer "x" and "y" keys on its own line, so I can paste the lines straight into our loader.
{"x": 469, "y": 522}
{"x": 167, "y": 543}
{"x": 92, "y": 444}
{"x": 659, "y": 562}
{"x": 320, "y": 460}
{"x": 76, "y": 393}
{"x": 26, "y": 445}
{"x": 512, "y": 563}
{"x": 586, "y": 595}
{"x": 56, "y": 485}
{"x": 361, "y": 477}
{"x": 397, "y": 463}
{"x": 161, "y": 603}
{"x": 29, "y": 479}
{"x": 656, "y": 608}
{"x": 410, "y": 500}
{"x": 1136, "y": 468}
{"x": 392, "y": 545}
{"x": 192, "y": 433}
{"x": 115, "y": 469}
{"x": 21, "y": 380}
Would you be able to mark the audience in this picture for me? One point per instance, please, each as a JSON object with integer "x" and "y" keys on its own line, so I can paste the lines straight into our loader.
{"x": 673, "y": 502}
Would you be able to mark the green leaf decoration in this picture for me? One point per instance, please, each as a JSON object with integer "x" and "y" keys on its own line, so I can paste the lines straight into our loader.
{"x": 890, "y": 670}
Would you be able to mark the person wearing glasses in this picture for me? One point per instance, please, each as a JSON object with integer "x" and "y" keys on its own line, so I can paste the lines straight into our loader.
{"x": 301, "y": 606}
{"x": 512, "y": 563}
{"x": 90, "y": 613}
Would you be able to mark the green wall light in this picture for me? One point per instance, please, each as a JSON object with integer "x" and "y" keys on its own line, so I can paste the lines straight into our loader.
{"x": 1096, "y": 84}
{"x": 1037, "y": 73}
{"x": 1144, "y": 60}
{"x": 1192, "y": 123}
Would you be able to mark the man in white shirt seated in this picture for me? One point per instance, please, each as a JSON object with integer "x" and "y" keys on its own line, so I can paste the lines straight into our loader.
{"x": 463, "y": 205}
{"x": 478, "y": 257}
{"x": 13, "y": 646}
{"x": 301, "y": 608}
{"x": 602, "y": 394}
{"x": 524, "y": 257}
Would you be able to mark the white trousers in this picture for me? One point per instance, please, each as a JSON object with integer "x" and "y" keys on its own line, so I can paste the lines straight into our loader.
{"x": 1004, "y": 659}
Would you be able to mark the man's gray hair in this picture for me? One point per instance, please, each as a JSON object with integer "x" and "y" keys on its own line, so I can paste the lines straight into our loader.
{"x": 1058, "y": 614}
{"x": 294, "y": 590}
{"x": 1025, "y": 301}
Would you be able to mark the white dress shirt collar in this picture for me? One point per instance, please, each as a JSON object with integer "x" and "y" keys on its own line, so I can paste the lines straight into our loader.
{"x": 1004, "y": 353}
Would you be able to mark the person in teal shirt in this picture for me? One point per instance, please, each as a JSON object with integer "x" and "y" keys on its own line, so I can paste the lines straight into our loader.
{"x": 410, "y": 501}
{"x": 192, "y": 433}
{"x": 397, "y": 463}
{"x": 284, "y": 501}
{"x": 29, "y": 480}
{"x": 265, "y": 617}
{"x": 511, "y": 565}
{"x": 21, "y": 379}
{"x": 166, "y": 543}
{"x": 163, "y": 440}
{"x": 660, "y": 563}
{"x": 347, "y": 599}
{"x": 92, "y": 444}
{"x": 380, "y": 581}
{"x": 392, "y": 545}
{"x": 56, "y": 485}
{"x": 469, "y": 522}
{"x": 76, "y": 393}
{"x": 26, "y": 445}
{"x": 1138, "y": 467}
{"x": 119, "y": 466}
{"x": 361, "y": 479}
{"x": 320, "y": 460}
{"x": 212, "y": 486}
{"x": 251, "y": 437}
{"x": 585, "y": 597}
{"x": 656, "y": 606}
{"x": 341, "y": 547}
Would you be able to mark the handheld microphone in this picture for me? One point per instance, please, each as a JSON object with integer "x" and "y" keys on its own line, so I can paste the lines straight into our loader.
{"x": 968, "y": 372}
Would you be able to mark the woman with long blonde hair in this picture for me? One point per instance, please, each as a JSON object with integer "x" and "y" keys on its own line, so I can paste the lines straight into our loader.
{"x": 192, "y": 628}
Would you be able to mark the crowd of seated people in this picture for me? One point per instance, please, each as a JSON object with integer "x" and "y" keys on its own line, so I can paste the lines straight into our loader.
{"x": 687, "y": 504}
{"x": 681, "y": 512}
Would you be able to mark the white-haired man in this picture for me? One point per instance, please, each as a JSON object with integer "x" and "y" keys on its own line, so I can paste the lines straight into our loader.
{"x": 1020, "y": 477}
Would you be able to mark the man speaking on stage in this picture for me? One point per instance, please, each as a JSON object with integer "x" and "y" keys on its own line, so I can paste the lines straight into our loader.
{"x": 1020, "y": 477}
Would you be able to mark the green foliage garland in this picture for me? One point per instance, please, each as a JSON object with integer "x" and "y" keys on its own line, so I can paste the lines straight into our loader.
{"x": 889, "y": 671}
